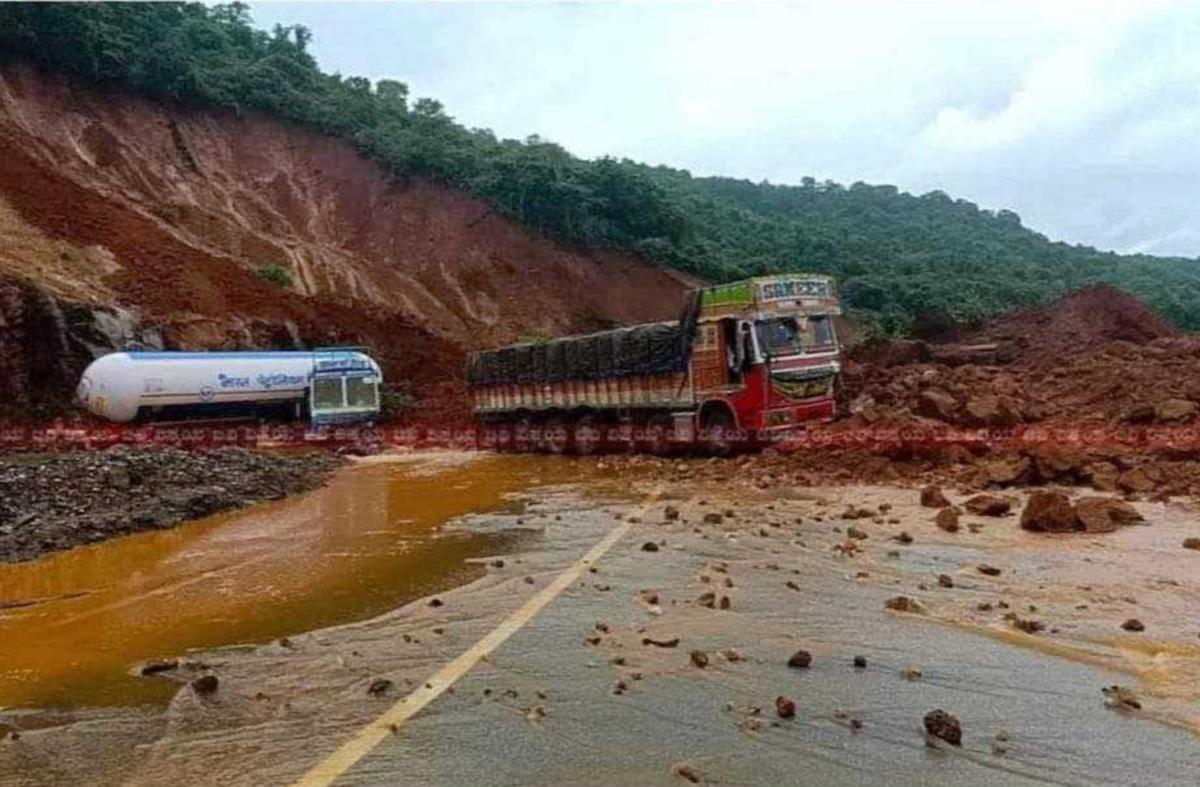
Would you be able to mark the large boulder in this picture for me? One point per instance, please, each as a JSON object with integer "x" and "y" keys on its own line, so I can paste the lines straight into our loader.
{"x": 988, "y": 505}
{"x": 1174, "y": 410}
{"x": 990, "y": 410}
{"x": 1004, "y": 472}
{"x": 1048, "y": 512}
{"x": 1105, "y": 514}
{"x": 1057, "y": 464}
{"x": 938, "y": 404}
{"x": 1102, "y": 476}
{"x": 1135, "y": 481}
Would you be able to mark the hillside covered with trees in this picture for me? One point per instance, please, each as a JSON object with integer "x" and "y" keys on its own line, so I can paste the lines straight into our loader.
{"x": 905, "y": 261}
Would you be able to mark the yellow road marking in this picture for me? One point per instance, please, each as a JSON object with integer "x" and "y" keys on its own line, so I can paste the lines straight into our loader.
{"x": 328, "y": 770}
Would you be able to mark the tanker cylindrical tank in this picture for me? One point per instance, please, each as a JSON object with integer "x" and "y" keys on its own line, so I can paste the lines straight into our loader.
{"x": 118, "y": 385}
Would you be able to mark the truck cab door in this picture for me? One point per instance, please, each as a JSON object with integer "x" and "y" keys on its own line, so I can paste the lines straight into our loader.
{"x": 734, "y": 345}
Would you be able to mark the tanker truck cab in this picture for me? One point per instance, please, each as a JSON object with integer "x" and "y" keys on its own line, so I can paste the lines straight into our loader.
{"x": 345, "y": 387}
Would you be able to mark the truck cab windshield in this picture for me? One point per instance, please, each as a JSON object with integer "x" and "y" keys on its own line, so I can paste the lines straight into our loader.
{"x": 783, "y": 336}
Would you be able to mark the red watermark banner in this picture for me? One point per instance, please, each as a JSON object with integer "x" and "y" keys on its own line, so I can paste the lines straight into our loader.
{"x": 1179, "y": 439}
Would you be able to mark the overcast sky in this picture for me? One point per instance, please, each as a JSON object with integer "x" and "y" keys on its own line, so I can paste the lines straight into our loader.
{"x": 1083, "y": 117}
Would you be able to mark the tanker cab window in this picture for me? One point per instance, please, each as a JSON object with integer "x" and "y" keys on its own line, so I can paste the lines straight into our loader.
{"x": 362, "y": 393}
{"x": 327, "y": 394}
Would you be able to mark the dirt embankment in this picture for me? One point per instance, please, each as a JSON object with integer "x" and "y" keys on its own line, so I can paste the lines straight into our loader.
{"x": 1094, "y": 356}
{"x": 62, "y": 501}
{"x": 169, "y": 213}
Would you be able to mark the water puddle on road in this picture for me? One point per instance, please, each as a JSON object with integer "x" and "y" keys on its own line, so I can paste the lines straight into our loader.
{"x": 74, "y": 625}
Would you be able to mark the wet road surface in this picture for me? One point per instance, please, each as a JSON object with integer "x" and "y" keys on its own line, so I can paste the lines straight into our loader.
{"x": 575, "y": 696}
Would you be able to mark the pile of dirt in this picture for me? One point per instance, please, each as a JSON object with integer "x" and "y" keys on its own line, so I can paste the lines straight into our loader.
{"x": 1097, "y": 355}
{"x": 1078, "y": 322}
{"x": 51, "y": 503}
{"x": 170, "y": 214}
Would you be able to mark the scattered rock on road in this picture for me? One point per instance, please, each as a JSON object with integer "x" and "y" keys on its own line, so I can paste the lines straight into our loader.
{"x": 947, "y": 519}
{"x": 155, "y": 667}
{"x": 1121, "y": 698}
{"x": 988, "y": 505}
{"x": 1105, "y": 514}
{"x": 1133, "y": 624}
{"x": 379, "y": 686}
{"x": 1048, "y": 512}
{"x": 205, "y": 685}
{"x": 903, "y": 604}
{"x": 944, "y": 726}
{"x": 801, "y": 659}
{"x": 785, "y": 707}
{"x": 932, "y": 497}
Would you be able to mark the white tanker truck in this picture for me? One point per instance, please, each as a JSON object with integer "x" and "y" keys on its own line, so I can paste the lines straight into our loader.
{"x": 327, "y": 385}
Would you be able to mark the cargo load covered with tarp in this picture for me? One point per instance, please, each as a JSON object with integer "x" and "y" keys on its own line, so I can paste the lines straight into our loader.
{"x": 651, "y": 349}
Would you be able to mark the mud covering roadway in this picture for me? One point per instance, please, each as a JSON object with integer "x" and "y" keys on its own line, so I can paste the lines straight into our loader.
{"x": 634, "y": 675}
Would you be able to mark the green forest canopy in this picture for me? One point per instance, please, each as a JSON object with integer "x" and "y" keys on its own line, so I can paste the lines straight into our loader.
{"x": 901, "y": 259}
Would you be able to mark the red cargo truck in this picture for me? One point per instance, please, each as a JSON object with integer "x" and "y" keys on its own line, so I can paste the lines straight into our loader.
{"x": 749, "y": 360}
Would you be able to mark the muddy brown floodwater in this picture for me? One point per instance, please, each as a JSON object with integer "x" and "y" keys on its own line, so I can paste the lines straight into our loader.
{"x": 75, "y": 625}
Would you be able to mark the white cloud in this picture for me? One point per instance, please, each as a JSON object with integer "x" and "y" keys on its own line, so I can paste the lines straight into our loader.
{"x": 1081, "y": 116}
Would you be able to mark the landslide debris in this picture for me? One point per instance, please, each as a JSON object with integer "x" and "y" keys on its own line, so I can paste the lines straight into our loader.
{"x": 1097, "y": 354}
{"x": 59, "y": 501}
{"x": 1052, "y": 512}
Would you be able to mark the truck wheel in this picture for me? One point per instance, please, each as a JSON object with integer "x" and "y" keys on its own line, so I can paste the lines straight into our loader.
{"x": 524, "y": 438}
{"x": 586, "y": 435}
{"x": 555, "y": 438}
{"x": 718, "y": 429}
{"x": 657, "y": 434}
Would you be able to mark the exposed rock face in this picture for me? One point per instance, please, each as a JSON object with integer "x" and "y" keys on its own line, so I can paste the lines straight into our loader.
{"x": 110, "y": 200}
{"x": 45, "y": 344}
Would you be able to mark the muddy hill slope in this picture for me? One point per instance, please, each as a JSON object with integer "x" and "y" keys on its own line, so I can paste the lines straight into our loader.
{"x": 123, "y": 220}
{"x": 1096, "y": 355}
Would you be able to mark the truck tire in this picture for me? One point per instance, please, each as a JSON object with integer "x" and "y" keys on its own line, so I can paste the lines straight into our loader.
{"x": 555, "y": 438}
{"x": 718, "y": 430}
{"x": 658, "y": 434}
{"x": 525, "y": 433}
{"x": 587, "y": 435}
